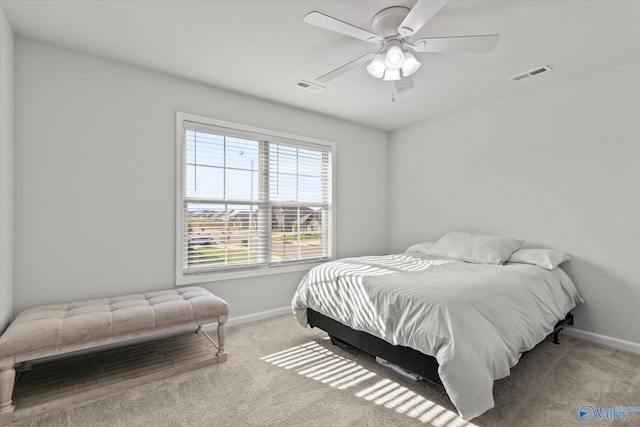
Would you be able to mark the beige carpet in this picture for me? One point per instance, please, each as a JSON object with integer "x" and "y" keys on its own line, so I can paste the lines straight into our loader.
{"x": 280, "y": 374}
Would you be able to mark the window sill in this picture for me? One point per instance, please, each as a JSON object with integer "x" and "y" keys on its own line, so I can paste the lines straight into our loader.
{"x": 193, "y": 279}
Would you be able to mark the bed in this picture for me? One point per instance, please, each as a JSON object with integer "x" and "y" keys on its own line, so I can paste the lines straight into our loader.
{"x": 469, "y": 303}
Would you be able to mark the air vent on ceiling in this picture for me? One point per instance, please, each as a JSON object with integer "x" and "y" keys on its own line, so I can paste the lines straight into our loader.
{"x": 309, "y": 86}
{"x": 531, "y": 73}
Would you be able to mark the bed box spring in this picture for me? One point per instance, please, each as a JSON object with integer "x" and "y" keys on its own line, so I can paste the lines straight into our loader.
{"x": 412, "y": 360}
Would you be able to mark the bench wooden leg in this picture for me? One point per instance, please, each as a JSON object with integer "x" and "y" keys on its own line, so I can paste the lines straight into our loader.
{"x": 7, "y": 380}
{"x": 222, "y": 336}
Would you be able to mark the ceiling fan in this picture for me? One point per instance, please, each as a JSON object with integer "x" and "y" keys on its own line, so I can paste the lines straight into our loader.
{"x": 392, "y": 27}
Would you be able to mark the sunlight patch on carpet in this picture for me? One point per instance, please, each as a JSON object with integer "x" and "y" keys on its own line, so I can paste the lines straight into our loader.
{"x": 316, "y": 362}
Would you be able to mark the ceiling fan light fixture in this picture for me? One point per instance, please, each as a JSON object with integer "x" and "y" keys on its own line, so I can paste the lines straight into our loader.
{"x": 391, "y": 75}
{"x": 394, "y": 58}
{"x": 376, "y": 67}
{"x": 410, "y": 65}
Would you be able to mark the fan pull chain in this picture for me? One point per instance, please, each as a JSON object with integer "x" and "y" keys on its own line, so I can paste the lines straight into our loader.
{"x": 393, "y": 93}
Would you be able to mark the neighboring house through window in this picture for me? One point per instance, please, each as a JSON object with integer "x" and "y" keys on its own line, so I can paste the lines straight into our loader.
{"x": 250, "y": 201}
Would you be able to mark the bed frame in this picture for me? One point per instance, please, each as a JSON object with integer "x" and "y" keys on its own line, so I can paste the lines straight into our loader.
{"x": 412, "y": 360}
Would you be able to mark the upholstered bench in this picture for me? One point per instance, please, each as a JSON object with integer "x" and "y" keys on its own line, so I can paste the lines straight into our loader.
{"x": 56, "y": 329}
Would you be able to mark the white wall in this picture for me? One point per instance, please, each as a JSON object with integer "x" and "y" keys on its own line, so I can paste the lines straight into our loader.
{"x": 94, "y": 181}
{"x": 95, "y": 178}
{"x": 559, "y": 167}
{"x": 6, "y": 171}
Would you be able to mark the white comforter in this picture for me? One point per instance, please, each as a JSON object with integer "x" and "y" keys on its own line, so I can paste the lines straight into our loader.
{"x": 475, "y": 319}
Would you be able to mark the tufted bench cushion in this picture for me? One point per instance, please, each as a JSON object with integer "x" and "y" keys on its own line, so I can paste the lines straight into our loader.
{"x": 52, "y": 326}
{"x": 56, "y": 329}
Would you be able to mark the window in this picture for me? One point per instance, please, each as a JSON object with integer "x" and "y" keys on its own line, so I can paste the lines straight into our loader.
{"x": 250, "y": 201}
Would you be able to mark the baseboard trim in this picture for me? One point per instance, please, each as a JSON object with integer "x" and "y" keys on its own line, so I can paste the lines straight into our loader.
{"x": 239, "y": 320}
{"x": 602, "y": 339}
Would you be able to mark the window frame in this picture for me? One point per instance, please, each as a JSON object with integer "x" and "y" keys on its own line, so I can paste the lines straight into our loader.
{"x": 237, "y": 272}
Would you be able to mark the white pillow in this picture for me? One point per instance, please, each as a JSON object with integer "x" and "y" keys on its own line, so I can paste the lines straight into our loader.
{"x": 421, "y": 247}
{"x": 546, "y": 258}
{"x": 475, "y": 248}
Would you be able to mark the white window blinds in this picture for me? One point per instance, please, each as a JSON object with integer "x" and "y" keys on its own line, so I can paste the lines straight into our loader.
{"x": 250, "y": 200}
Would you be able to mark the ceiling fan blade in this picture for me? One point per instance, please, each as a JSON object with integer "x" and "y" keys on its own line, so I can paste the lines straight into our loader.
{"x": 345, "y": 68}
{"x": 419, "y": 15}
{"x": 472, "y": 44}
{"x": 404, "y": 84}
{"x": 327, "y": 22}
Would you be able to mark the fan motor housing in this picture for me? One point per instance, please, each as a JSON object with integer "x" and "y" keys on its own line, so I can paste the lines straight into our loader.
{"x": 386, "y": 22}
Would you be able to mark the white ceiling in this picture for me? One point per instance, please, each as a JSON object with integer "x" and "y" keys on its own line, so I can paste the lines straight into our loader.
{"x": 262, "y": 48}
